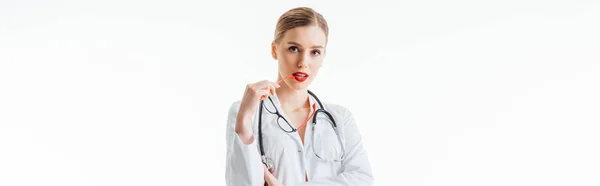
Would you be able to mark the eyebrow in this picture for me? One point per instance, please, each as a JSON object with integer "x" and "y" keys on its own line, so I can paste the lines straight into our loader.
{"x": 294, "y": 43}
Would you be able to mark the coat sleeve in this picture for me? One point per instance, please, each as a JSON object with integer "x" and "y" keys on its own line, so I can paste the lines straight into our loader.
{"x": 243, "y": 164}
{"x": 356, "y": 169}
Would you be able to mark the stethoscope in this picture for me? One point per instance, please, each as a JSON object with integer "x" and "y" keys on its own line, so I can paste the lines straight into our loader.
{"x": 268, "y": 161}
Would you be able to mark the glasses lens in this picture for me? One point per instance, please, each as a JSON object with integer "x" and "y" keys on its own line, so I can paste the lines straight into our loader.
{"x": 269, "y": 106}
{"x": 326, "y": 143}
{"x": 286, "y": 126}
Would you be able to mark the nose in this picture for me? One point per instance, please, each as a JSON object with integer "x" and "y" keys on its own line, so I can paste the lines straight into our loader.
{"x": 303, "y": 62}
{"x": 302, "y": 65}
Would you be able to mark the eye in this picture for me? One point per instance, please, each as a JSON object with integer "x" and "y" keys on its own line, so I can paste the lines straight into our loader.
{"x": 316, "y": 52}
{"x": 293, "y": 49}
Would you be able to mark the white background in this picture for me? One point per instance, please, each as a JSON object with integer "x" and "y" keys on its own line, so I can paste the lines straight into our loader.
{"x": 127, "y": 92}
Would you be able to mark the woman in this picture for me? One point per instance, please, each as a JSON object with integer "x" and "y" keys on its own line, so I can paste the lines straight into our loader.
{"x": 272, "y": 137}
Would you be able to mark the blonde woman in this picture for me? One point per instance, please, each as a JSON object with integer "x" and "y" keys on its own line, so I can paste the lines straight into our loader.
{"x": 280, "y": 133}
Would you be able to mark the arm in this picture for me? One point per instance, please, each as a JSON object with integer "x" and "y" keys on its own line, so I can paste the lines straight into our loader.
{"x": 243, "y": 166}
{"x": 356, "y": 169}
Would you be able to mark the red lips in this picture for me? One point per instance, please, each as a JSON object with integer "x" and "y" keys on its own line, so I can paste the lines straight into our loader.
{"x": 300, "y": 76}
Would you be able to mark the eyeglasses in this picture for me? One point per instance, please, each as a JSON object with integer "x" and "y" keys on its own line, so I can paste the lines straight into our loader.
{"x": 287, "y": 127}
{"x": 327, "y": 148}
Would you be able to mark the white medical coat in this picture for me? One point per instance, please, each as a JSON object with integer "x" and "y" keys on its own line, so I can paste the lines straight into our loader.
{"x": 291, "y": 159}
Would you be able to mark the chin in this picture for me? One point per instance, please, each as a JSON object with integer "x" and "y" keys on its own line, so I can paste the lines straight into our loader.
{"x": 300, "y": 85}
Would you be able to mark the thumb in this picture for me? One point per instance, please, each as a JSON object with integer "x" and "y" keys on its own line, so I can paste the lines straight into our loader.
{"x": 268, "y": 174}
{"x": 265, "y": 169}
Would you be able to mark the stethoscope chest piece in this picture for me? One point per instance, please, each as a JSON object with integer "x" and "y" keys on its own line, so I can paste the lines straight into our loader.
{"x": 268, "y": 162}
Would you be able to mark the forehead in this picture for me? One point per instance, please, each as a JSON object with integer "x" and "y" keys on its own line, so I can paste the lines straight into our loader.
{"x": 306, "y": 36}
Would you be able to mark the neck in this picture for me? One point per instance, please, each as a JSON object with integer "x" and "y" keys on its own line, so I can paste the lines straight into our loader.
{"x": 292, "y": 99}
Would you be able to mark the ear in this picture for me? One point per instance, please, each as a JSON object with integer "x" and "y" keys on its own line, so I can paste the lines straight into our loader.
{"x": 274, "y": 50}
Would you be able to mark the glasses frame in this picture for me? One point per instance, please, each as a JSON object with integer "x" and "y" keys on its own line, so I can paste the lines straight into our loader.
{"x": 293, "y": 129}
{"x": 279, "y": 116}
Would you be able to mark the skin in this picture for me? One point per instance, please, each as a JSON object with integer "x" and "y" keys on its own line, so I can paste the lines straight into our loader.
{"x": 302, "y": 49}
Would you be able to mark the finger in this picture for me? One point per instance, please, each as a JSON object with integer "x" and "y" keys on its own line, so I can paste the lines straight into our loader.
{"x": 266, "y": 171}
{"x": 260, "y": 85}
{"x": 272, "y": 89}
{"x": 276, "y": 84}
{"x": 264, "y": 85}
{"x": 262, "y": 94}
{"x": 266, "y": 174}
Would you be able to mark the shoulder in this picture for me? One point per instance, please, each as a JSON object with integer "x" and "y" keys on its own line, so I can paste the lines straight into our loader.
{"x": 334, "y": 107}
{"x": 339, "y": 111}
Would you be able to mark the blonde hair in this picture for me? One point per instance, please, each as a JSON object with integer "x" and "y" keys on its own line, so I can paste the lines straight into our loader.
{"x": 297, "y": 17}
